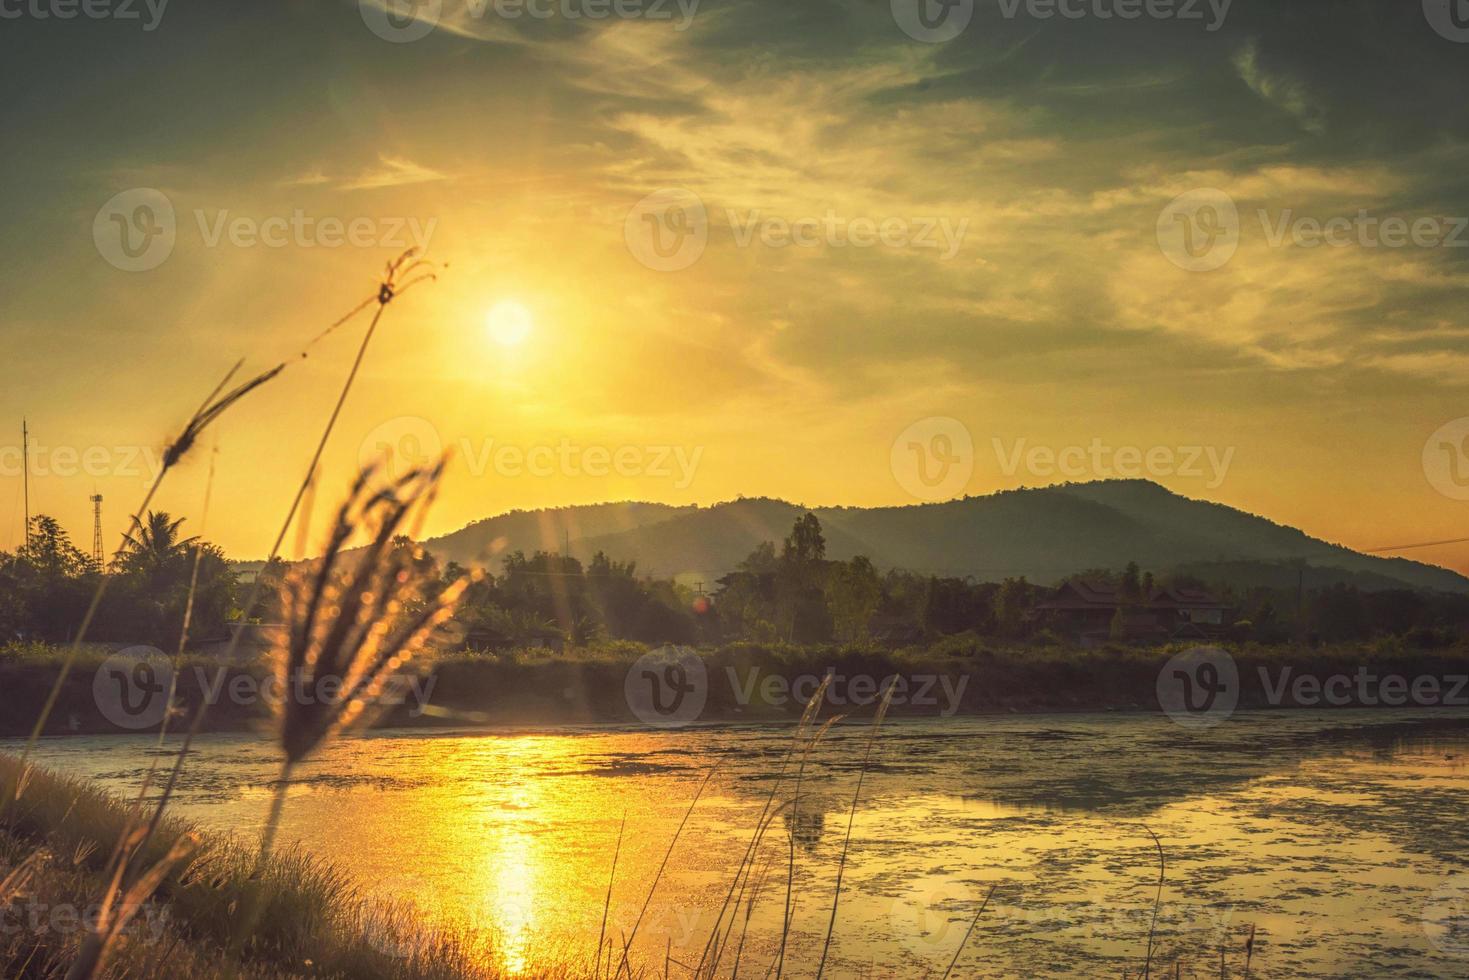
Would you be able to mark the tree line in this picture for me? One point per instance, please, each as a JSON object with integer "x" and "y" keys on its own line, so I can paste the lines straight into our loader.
{"x": 786, "y": 592}
{"x": 791, "y": 592}
{"x": 47, "y": 585}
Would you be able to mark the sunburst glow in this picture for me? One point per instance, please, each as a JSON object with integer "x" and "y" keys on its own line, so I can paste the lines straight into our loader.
{"x": 509, "y": 323}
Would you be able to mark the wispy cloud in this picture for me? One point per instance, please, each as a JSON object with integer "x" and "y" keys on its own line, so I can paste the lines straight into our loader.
{"x": 388, "y": 171}
{"x": 1278, "y": 89}
{"x": 392, "y": 172}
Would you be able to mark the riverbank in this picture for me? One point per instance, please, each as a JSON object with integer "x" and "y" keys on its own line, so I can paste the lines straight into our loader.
{"x": 60, "y": 834}
{"x": 618, "y": 685}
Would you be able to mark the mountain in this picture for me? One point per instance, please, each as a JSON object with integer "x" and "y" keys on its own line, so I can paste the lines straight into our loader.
{"x": 1044, "y": 534}
{"x": 548, "y": 530}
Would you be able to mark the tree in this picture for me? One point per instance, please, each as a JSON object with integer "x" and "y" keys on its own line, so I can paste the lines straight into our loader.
{"x": 155, "y": 548}
{"x": 214, "y": 594}
{"x": 50, "y": 551}
{"x": 49, "y": 581}
{"x": 1012, "y": 603}
{"x": 761, "y": 561}
{"x": 1131, "y": 587}
{"x": 954, "y": 605}
{"x": 806, "y": 544}
{"x": 804, "y": 617}
{"x": 853, "y": 593}
{"x": 746, "y": 597}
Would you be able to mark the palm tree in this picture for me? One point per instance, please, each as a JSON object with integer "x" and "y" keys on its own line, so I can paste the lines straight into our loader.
{"x": 154, "y": 546}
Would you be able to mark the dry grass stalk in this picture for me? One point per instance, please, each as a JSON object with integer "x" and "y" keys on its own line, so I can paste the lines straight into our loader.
{"x": 760, "y": 880}
{"x": 790, "y": 910}
{"x": 358, "y": 620}
{"x": 212, "y": 407}
{"x": 808, "y": 716}
{"x": 628, "y": 939}
{"x": 20, "y": 876}
{"x": 173, "y": 684}
{"x": 354, "y": 622}
{"x": 400, "y": 275}
{"x": 882, "y": 710}
{"x": 1157, "y": 902}
{"x": 969, "y": 932}
{"x": 123, "y": 899}
{"x": 607, "y": 905}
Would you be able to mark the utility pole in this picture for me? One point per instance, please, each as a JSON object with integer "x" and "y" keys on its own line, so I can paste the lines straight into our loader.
{"x": 97, "y": 530}
{"x": 1301, "y": 603}
{"x": 25, "y": 463}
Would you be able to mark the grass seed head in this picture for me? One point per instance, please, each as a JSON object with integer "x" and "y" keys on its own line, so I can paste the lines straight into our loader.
{"x": 355, "y": 619}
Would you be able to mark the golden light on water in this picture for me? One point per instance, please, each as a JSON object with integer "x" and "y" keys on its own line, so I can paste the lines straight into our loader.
{"x": 512, "y": 865}
{"x": 513, "y": 836}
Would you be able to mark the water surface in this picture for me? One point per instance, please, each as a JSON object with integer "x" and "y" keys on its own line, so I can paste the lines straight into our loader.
{"x": 1334, "y": 834}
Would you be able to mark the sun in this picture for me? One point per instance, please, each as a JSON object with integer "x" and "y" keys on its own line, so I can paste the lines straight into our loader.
{"x": 509, "y": 323}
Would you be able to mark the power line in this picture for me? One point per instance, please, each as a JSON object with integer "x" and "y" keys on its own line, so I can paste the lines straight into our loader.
{"x": 1410, "y": 547}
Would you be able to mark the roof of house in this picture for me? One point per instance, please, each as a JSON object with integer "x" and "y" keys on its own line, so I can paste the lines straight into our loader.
{"x": 1186, "y": 597}
{"x": 1083, "y": 593}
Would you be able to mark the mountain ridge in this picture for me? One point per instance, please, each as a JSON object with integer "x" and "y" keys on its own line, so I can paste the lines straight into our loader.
{"x": 1044, "y": 533}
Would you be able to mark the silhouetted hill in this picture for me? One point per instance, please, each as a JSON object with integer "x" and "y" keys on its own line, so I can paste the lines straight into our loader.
{"x": 1044, "y": 534}
{"x": 547, "y": 530}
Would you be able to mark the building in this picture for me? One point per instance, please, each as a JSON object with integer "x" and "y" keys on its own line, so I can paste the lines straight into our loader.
{"x": 1094, "y": 611}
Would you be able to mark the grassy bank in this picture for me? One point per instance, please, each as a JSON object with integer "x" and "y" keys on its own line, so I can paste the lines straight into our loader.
{"x": 312, "y": 922}
{"x": 752, "y": 682}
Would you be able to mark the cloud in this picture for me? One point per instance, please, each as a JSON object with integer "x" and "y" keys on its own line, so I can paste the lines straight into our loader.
{"x": 310, "y": 178}
{"x": 392, "y": 172}
{"x": 1279, "y": 89}
{"x": 389, "y": 171}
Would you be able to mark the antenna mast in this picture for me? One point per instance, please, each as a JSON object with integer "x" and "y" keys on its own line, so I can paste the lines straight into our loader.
{"x": 97, "y": 530}
{"x": 25, "y": 462}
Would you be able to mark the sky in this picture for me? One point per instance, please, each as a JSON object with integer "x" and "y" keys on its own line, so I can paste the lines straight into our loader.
{"x": 834, "y": 251}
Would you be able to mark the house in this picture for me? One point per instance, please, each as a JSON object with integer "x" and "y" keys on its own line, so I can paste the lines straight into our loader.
{"x": 1087, "y": 609}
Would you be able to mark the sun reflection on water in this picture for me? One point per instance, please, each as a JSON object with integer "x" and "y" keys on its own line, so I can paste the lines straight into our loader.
{"x": 511, "y": 864}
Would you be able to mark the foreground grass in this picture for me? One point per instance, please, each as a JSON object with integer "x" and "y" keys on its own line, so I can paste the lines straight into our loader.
{"x": 313, "y": 922}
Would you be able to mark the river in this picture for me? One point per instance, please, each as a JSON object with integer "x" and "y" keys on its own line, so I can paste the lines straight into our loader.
{"x": 1340, "y": 837}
